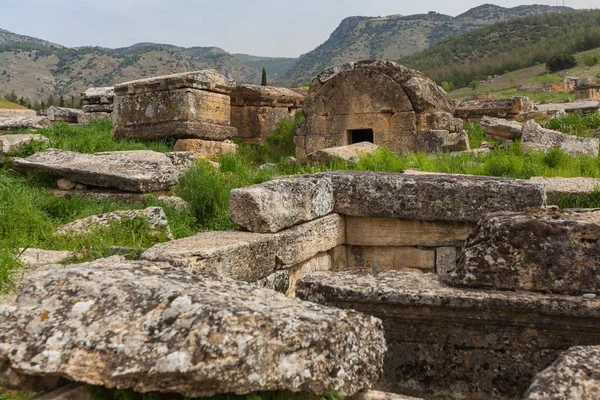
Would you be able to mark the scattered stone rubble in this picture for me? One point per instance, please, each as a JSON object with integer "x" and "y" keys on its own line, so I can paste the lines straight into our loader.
{"x": 152, "y": 327}
{"x": 471, "y": 110}
{"x": 379, "y": 102}
{"x": 256, "y": 111}
{"x": 537, "y": 138}
{"x": 154, "y": 216}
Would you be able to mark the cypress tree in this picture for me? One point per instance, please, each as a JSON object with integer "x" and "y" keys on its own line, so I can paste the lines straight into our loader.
{"x": 264, "y": 77}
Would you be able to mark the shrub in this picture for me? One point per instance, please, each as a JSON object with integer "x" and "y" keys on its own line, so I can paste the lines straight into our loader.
{"x": 591, "y": 59}
{"x": 560, "y": 63}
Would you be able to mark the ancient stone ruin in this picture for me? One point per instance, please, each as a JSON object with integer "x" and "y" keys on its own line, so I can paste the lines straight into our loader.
{"x": 194, "y": 106}
{"x": 379, "y": 102}
{"x": 256, "y": 111}
{"x": 98, "y": 100}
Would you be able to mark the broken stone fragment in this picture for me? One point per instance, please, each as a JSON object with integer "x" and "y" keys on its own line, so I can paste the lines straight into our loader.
{"x": 537, "y": 138}
{"x": 154, "y": 216}
{"x": 133, "y": 171}
{"x": 350, "y": 153}
{"x": 546, "y": 251}
{"x": 181, "y": 331}
{"x": 10, "y": 144}
{"x": 427, "y": 96}
{"x": 279, "y": 204}
{"x": 206, "y": 149}
{"x": 12, "y": 123}
{"x": 574, "y": 376}
{"x": 501, "y": 129}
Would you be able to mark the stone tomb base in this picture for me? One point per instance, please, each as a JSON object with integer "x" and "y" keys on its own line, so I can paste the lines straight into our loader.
{"x": 447, "y": 343}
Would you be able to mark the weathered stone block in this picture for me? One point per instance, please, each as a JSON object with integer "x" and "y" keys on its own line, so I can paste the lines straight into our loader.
{"x": 320, "y": 262}
{"x": 242, "y": 256}
{"x": 152, "y": 327}
{"x": 265, "y": 96}
{"x": 390, "y": 258}
{"x": 426, "y": 96}
{"x": 133, "y": 171}
{"x": 445, "y": 260}
{"x": 574, "y": 376}
{"x": 309, "y": 144}
{"x": 440, "y": 120}
{"x": 558, "y": 187}
{"x": 280, "y": 204}
{"x": 501, "y": 129}
{"x": 206, "y": 149}
{"x": 367, "y": 231}
{"x": 452, "y": 343}
{"x": 537, "y": 138}
{"x": 304, "y": 241}
{"x": 258, "y": 122}
{"x": 207, "y": 80}
{"x": 10, "y": 144}
{"x": 465, "y": 198}
{"x": 498, "y": 108}
{"x": 14, "y": 123}
{"x": 403, "y": 122}
{"x": 550, "y": 252}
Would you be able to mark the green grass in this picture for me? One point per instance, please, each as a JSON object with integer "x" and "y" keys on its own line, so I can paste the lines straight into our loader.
{"x": 546, "y": 79}
{"x": 575, "y": 124}
{"x": 14, "y": 395}
{"x": 12, "y": 106}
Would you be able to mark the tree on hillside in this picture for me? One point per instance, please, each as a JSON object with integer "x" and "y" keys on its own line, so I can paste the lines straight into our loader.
{"x": 560, "y": 63}
{"x": 61, "y": 101}
{"x": 264, "y": 77}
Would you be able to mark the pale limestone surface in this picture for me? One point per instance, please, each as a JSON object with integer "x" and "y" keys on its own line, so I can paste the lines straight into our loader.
{"x": 350, "y": 153}
{"x": 151, "y": 327}
{"x": 206, "y": 149}
{"x": 133, "y": 171}
{"x": 537, "y": 138}
{"x": 279, "y": 204}
{"x": 501, "y": 129}
{"x": 11, "y": 143}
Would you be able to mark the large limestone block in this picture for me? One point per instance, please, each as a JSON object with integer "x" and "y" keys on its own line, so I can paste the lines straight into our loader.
{"x": 10, "y": 144}
{"x": 311, "y": 143}
{"x": 280, "y": 204}
{"x": 258, "y": 122}
{"x": 242, "y": 256}
{"x": 574, "y": 376}
{"x": 265, "y": 96}
{"x": 537, "y": 138}
{"x": 180, "y": 113}
{"x": 498, "y": 108}
{"x": 451, "y": 343}
{"x": 304, "y": 241}
{"x": 206, "y": 149}
{"x": 63, "y": 114}
{"x": 501, "y": 129}
{"x": 154, "y": 216}
{"x": 13, "y": 123}
{"x": 98, "y": 95}
{"x": 426, "y": 96}
{"x": 350, "y": 153}
{"x": 151, "y": 327}
{"x": 429, "y": 197}
{"x": 206, "y": 80}
{"x": 390, "y": 258}
{"x": 367, "y": 231}
{"x": 440, "y": 120}
{"x": 320, "y": 262}
{"x": 550, "y": 252}
{"x": 144, "y": 171}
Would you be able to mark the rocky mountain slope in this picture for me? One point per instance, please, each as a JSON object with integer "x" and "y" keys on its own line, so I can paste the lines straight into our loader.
{"x": 36, "y": 70}
{"x": 395, "y": 36}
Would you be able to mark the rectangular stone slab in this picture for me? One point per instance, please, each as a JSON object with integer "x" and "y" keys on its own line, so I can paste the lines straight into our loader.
{"x": 390, "y": 258}
{"x": 453, "y": 343}
{"x": 549, "y": 252}
{"x": 429, "y": 197}
{"x": 143, "y": 171}
{"x": 207, "y": 80}
{"x": 367, "y": 231}
{"x": 152, "y": 327}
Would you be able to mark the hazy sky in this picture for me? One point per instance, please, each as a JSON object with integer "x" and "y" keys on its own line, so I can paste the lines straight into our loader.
{"x": 260, "y": 27}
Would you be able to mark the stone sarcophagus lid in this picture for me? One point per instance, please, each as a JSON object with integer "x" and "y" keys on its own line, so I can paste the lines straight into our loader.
{"x": 189, "y": 105}
{"x": 380, "y": 102}
{"x": 256, "y": 111}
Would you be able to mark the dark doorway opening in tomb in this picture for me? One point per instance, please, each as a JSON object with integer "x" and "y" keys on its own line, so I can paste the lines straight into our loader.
{"x": 360, "y": 135}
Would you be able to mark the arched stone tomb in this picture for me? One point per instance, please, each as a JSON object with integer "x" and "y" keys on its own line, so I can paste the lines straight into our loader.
{"x": 380, "y": 102}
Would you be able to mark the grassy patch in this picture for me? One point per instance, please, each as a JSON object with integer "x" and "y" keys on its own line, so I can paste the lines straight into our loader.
{"x": 575, "y": 124}
{"x": 14, "y": 395}
{"x": 546, "y": 79}
{"x": 94, "y": 138}
{"x": 10, "y": 268}
{"x": 11, "y": 106}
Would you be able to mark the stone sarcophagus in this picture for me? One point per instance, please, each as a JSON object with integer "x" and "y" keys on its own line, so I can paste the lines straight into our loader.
{"x": 190, "y": 105}
{"x": 380, "y": 102}
{"x": 256, "y": 111}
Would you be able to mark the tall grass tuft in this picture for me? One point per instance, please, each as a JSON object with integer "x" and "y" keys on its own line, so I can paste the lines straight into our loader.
{"x": 575, "y": 124}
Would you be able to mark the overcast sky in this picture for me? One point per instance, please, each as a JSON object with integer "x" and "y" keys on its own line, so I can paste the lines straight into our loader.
{"x": 258, "y": 27}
